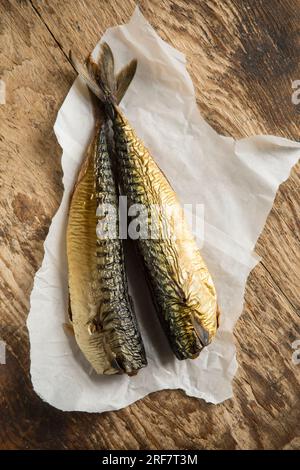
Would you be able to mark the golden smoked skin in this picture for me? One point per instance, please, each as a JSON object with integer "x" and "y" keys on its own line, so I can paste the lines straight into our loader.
{"x": 82, "y": 266}
{"x": 181, "y": 285}
{"x": 102, "y": 313}
{"x": 101, "y": 309}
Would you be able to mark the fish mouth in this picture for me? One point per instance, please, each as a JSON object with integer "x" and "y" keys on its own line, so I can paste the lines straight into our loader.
{"x": 116, "y": 360}
{"x": 201, "y": 333}
{"x": 133, "y": 373}
{"x": 118, "y": 364}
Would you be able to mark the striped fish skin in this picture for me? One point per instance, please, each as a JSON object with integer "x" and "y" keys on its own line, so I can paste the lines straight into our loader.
{"x": 103, "y": 319}
{"x": 182, "y": 288}
{"x": 116, "y": 315}
{"x": 85, "y": 298}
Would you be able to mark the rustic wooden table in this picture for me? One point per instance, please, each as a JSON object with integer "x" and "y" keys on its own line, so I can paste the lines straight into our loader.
{"x": 243, "y": 57}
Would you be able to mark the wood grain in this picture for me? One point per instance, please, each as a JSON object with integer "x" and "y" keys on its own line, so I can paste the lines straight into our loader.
{"x": 243, "y": 57}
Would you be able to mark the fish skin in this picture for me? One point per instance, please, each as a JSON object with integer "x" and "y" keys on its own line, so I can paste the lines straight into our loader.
{"x": 116, "y": 314}
{"x": 82, "y": 267}
{"x": 182, "y": 288}
{"x": 103, "y": 319}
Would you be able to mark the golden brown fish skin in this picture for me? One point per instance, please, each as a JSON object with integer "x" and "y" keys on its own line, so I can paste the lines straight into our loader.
{"x": 116, "y": 317}
{"x": 85, "y": 298}
{"x": 102, "y": 312}
{"x": 182, "y": 288}
{"x": 104, "y": 322}
{"x": 181, "y": 285}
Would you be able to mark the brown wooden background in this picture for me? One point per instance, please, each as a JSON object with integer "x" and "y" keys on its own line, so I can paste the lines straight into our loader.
{"x": 243, "y": 57}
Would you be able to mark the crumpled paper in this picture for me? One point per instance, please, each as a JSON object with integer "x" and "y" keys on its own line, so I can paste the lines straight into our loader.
{"x": 235, "y": 180}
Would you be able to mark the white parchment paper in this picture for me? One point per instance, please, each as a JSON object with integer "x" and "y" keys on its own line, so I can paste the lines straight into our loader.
{"x": 235, "y": 180}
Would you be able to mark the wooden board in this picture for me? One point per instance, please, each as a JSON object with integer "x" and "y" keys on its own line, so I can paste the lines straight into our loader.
{"x": 243, "y": 57}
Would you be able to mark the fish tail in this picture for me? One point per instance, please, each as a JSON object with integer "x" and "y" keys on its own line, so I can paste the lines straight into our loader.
{"x": 101, "y": 79}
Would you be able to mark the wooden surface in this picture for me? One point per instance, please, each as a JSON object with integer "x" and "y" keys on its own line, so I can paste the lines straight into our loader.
{"x": 243, "y": 57}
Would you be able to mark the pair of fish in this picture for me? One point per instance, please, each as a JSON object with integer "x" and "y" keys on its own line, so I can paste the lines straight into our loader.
{"x": 101, "y": 310}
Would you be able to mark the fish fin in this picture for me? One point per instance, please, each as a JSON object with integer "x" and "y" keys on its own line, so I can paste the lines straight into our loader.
{"x": 92, "y": 67}
{"x": 94, "y": 325}
{"x": 106, "y": 66}
{"x": 101, "y": 80}
{"x": 218, "y": 316}
{"x": 70, "y": 309}
{"x": 124, "y": 79}
{"x": 68, "y": 328}
{"x": 102, "y": 72}
{"x": 88, "y": 78}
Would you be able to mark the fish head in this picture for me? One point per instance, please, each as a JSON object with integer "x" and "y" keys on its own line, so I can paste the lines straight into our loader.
{"x": 201, "y": 303}
{"x": 205, "y": 322}
{"x": 119, "y": 360}
{"x": 189, "y": 338}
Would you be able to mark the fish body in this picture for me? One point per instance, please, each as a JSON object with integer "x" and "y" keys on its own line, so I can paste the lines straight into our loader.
{"x": 102, "y": 313}
{"x": 85, "y": 296}
{"x": 115, "y": 317}
{"x": 181, "y": 285}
